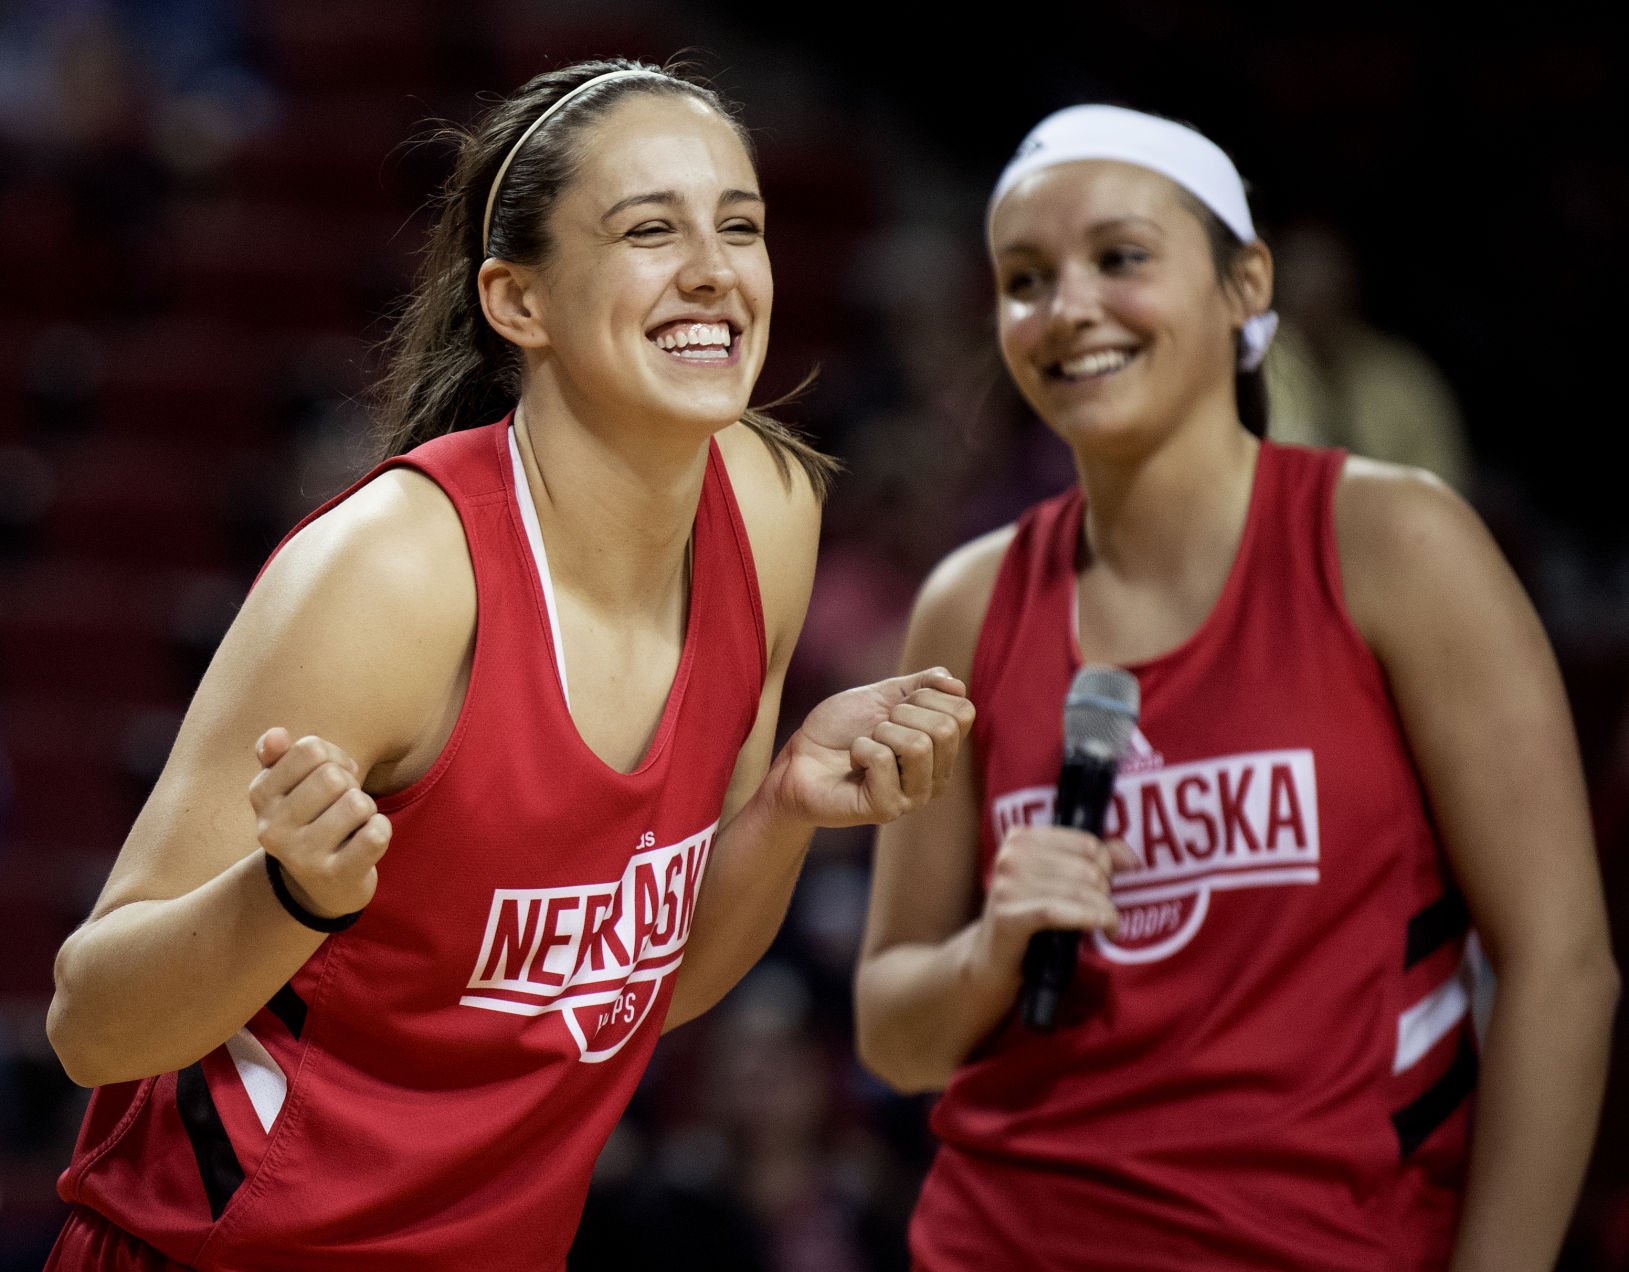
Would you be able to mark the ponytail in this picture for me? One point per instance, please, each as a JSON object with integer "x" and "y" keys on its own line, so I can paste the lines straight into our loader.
{"x": 1250, "y": 396}
{"x": 786, "y": 444}
{"x": 446, "y": 368}
{"x": 1249, "y": 387}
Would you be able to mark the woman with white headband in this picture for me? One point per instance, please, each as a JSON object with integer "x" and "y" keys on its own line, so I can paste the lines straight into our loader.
{"x": 1353, "y": 748}
{"x": 490, "y": 747}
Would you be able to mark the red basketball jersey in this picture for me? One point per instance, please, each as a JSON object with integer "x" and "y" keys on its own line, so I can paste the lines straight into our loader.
{"x": 1269, "y": 1066}
{"x": 433, "y": 1086}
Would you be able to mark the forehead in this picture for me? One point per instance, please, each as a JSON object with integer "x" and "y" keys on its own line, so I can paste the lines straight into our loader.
{"x": 661, "y": 141}
{"x": 1068, "y": 198}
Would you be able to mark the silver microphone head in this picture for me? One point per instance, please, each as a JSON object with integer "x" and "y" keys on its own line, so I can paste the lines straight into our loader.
{"x": 1100, "y": 712}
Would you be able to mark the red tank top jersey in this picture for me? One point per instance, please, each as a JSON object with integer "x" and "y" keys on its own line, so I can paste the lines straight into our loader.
{"x": 433, "y": 1086}
{"x": 1270, "y": 1066}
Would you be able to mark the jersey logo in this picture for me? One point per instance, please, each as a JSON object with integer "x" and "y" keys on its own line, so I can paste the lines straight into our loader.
{"x": 595, "y": 953}
{"x": 1236, "y": 821}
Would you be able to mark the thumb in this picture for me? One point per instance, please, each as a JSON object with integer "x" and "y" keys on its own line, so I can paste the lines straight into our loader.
{"x": 933, "y": 678}
{"x": 272, "y": 745}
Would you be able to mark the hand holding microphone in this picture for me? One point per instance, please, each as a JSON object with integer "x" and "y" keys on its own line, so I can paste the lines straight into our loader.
{"x": 1099, "y": 718}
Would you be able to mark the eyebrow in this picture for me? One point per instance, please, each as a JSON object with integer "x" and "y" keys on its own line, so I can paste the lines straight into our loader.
{"x": 670, "y": 198}
{"x": 1096, "y": 227}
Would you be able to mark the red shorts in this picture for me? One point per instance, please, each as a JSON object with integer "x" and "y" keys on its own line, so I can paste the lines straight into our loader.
{"x": 89, "y": 1243}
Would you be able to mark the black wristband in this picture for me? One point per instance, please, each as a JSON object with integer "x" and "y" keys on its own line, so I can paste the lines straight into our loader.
{"x": 285, "y": 898}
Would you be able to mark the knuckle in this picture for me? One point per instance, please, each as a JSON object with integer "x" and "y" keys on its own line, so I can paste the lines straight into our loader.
{"x": 334, "y": 780}
{"x": 309, "y": 750}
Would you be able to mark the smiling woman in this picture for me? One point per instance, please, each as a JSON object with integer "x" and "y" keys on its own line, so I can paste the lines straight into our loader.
{"x": 1353, "y": 745}
{"x": 479, "y": 793}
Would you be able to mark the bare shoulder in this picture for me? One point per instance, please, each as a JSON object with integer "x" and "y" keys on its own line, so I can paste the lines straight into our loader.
{"x": 1386, "y": 505}
{"x": 356, "y": 628}
{"x": 1413, "y": 552}
{"x": 762, "y": 489}
{"x": 392, "y": 539}
{"x": 952, "y": 601}
{"x": 781, "y": 513}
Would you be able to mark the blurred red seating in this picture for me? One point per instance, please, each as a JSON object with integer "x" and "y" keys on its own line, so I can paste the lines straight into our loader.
{"x": 134, "y": 506}
{"x": 362, "y": 45}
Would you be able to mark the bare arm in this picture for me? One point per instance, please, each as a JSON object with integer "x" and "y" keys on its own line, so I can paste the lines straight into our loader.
{"x": 865, "y": 755}
{"x": 1486, "y": 716}
{"x": 940, "y": 966}
{"x": 333, "y": 681}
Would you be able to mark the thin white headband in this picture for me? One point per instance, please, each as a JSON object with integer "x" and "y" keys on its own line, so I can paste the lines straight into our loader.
{"x": 497, "y": 181}
{"x": 1173, "y": 150}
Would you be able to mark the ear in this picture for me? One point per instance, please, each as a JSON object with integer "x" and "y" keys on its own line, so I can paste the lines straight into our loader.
{"x": 1252, "y": 289}
{"x": 512, "y": 301}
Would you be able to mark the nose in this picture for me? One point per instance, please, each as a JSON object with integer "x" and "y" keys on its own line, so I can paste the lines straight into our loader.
{"x": 707, "y": 267}
{"x": 1076, "y": 300}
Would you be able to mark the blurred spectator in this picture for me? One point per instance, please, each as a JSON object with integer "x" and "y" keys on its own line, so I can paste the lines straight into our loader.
{"x": 938, "y": 446}
{"x": 1334, "y": 379}
{"x": 170, "y": 78}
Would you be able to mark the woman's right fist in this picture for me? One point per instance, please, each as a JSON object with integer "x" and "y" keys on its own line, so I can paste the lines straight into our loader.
{"x": 314, "y": 817}
{"x": 1049, "y": 878}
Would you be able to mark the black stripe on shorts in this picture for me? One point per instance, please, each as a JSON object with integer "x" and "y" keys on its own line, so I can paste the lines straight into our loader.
{"x": 1415, "y": 1121}
{"x": 288, "y": 1007}
{"x": 1445, "y": 919}
{"x": 218, "y": 1164}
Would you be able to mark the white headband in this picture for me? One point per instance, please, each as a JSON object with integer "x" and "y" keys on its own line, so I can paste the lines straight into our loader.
{"x": 1173, "y": 150}
{"x": 497, "y": 181}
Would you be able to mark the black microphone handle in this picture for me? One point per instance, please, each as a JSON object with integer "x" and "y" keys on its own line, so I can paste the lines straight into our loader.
{"x": 1085, "y": 789}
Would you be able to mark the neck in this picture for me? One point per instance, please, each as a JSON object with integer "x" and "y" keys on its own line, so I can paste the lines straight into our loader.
{"x": 1161, "y": 514}
{"x": 615, "y": 507}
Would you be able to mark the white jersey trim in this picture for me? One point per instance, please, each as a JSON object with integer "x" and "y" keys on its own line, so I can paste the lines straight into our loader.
{"x": 1429, "y": 1021}
{"x": 534, "y": 536}
{"x": 263, "y": 1078}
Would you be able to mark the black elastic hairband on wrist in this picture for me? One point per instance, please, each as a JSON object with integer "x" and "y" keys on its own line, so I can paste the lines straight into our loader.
{"x": 285, "y": 898}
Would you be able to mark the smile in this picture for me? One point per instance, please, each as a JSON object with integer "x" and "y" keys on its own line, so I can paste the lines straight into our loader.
{"x": 696, "y": 341}
{"x": 1092, "y": 366}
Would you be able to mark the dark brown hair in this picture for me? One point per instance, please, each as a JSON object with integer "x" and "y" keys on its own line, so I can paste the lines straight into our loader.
{"x": 446, "y": 368}
{"x": 1249, "y": 387}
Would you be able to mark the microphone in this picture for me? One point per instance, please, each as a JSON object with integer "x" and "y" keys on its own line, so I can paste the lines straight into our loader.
{"x": 1099, "y": 717}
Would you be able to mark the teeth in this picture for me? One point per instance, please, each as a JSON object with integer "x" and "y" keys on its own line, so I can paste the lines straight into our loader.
{"x": 710, "y": 339}
{"x": 1097, "y": 363}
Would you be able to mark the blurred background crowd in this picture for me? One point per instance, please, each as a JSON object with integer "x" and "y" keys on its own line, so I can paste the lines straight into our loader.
{"x": 208, "y": 209}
